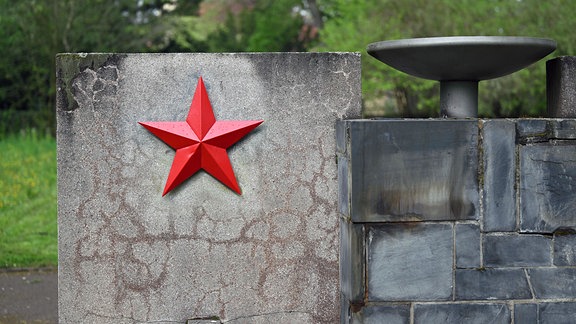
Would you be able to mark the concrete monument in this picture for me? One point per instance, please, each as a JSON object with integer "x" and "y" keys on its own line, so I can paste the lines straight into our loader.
{"x": 202, "y": 252}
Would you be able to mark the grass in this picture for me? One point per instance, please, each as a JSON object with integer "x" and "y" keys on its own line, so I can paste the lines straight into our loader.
{"x": 28, "y": 221}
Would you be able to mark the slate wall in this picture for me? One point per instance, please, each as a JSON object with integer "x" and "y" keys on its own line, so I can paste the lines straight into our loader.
{"x": 457, "y": 221}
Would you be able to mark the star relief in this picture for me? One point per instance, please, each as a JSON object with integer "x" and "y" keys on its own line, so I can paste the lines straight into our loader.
{"x": 201, "y": 142}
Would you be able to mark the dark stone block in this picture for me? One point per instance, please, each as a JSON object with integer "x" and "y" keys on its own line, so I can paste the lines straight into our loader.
{"x": 499, "y": 200}
{"x": 563, "y": 129}
{"x": 413, "y": 170}
{"x": 553, "y": 282}
{"x": 517, "y": 250}
{"x": 343, "y": 186}
{"x": 389, "y": 314}
{"x": 561, "y": 86}
{"x": 352, "y": 261}
{"x": 525, "y": 313}
{"x": 532, "y": 129}
{"x": 547, "y": 188}
{"x": 565, "y": 250}
{"x": 341, "y": 136}
{"x": 556, "y": 313}
{"x": 409, "y": 262}
{"x": 492, "y": 284}
{"x": 467, "y": 246}
{"x": 462, "y": 313}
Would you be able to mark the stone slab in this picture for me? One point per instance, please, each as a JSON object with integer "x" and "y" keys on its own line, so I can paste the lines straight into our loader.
{"x": 343, "y": 186}
{"x": 467, "y": 246}
{"x": 413, "y": 170}
{"x": 532, "y": 130}
{"x": 378, "y": 314}
{"x": 127, "y": 254}
{"x": 462, "y": 313}
{"x": 409, "y": 262}
{"x": 526, "y": 313}
{"x": 563, "y": 129}
{"x": 554, "y": 313}
{"x": 517, "y": 250}
{"x": 561, "y": 86}
{"x": 352, "y": 262}
{"x": 491, "y": 284}
{"x": 547, "y": 188}
{"x": 553, "y": 282}
{"x": 564, "y": 249}
{"x": 499, "y": 157}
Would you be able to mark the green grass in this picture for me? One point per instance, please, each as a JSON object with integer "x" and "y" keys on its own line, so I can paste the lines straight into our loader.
{"x": 28, "y": 221}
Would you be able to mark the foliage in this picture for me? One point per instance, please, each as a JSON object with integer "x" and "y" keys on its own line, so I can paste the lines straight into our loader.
{"x": 356, "y": 23}
{"x": 254, "y": 26}
{"x": 28, "y": 231}
{"x": 33, "y": 31}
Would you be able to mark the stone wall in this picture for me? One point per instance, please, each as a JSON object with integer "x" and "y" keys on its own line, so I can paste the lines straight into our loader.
{"x": 270, "y": 255}
{"x": 457, "y": 221}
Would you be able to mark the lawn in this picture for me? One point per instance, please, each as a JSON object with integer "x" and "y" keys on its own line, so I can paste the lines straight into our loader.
{"x": 28, "y": 222}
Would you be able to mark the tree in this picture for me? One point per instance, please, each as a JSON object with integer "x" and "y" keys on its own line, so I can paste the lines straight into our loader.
{"x": 356, "y": 23}
{"x": 33, "y": 31}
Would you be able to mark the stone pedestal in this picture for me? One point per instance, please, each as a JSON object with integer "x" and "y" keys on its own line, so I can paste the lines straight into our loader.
{"x": 457, "y": 221}
{"x": 202, "y": 252}
{"x": 561, "y": 87}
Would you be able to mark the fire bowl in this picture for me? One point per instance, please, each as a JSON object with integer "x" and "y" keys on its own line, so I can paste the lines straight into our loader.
{"x": 459, "y": 63}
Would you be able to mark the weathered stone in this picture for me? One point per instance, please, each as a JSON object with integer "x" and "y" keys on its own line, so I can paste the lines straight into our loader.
{"x": 499, "y": 155}
{"x": 561, "y": 86}
{"x": 545, "y": 313}
{"x": 553, "y": 282}
{"x": 525, "y": 313}
{"x": 564, "y": 249}
{"x": 491, "y": 284}
{"x": 547, "y": 188}
{"x": 378, "y": 314}
{"x": 555, "y": 313}
{"x": 526, "y": 128}
{"x": 352, "y": 257}
{"x": 462, "y": 313}
{"x": 409, "y": 262}
{"x": 564, "y": 129}
{"x": 343, "y": 186}
{"x": 341, "y": 137}
{"x": 413, "y": 170}
{"x": 127, "y": 254}
{"x": 517, "y": 250}
{"x": 467, "y": 246}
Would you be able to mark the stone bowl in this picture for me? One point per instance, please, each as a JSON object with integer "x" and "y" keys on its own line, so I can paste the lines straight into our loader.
{"x": 465, "y": 60}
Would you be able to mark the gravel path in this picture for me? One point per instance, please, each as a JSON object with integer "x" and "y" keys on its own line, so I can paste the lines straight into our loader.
{"x": 28, "y": 296}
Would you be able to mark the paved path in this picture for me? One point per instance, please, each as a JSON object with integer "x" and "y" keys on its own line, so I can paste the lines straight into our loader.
{"x": 29, "y": 297}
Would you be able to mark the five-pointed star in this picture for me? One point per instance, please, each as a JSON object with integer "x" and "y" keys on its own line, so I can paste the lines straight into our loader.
{"x": 201, "y": 142}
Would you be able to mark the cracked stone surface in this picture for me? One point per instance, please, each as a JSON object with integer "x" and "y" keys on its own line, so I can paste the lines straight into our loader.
{"x": 547, "y": 188}
{"x": 127, "y": 255}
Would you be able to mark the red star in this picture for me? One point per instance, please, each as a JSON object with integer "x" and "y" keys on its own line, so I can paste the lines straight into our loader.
{"x": 201, "y": 142}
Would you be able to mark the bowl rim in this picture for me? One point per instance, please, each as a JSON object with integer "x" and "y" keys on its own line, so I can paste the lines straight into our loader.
{"x": 461, "y": 41}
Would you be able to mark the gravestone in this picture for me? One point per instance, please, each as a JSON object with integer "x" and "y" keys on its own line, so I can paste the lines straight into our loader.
{"x": 202, "y": 252}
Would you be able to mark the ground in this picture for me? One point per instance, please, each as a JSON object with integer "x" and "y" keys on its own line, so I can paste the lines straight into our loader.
{"x": 28, "y": 296}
